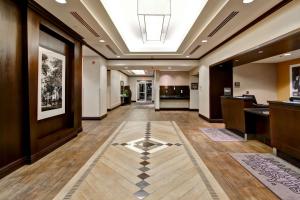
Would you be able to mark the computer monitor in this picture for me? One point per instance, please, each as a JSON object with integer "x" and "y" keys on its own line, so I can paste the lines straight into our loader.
{"x": 250, "y": 97}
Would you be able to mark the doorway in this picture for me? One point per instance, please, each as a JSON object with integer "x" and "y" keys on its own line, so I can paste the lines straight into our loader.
{"x": 144, "y": 91}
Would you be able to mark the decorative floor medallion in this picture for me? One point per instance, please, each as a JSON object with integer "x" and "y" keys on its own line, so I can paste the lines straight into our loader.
{"x": 144, "y": 160}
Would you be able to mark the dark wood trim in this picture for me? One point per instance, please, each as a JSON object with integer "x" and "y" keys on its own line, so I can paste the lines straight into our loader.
{"x": 12, "y": 167}
{"x": 79, "y": 130}
{"x": 32, "y": 4}
{"x": 203, "y": 117}
{"x": 156, "y": 110}
{"x": 110, "y": 109}
{"x": 95, "y": 118}
{"x": 257, "y": 20}
{"x": 123, "y": 73}
{"x": 211, "y": 120}
{"x": 35, "y": 157}
{"x": 186, "y": 109}
{"x": 194, "y": 109}
{"x": 90, "y": 118}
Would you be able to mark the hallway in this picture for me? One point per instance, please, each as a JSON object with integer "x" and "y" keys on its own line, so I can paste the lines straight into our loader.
{"x": 45, "y": 178}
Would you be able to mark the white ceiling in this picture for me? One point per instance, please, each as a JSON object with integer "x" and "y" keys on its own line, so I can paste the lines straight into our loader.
{"x": 281, "y": 58}
{"x": 95, "y": 15}
{"x": 124, "y": 16}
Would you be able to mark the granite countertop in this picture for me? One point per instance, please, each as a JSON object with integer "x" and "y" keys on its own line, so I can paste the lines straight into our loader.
{"x": 289, "y": 103}
{"x": 174, "y": 97}
{"x": 258, "y": 111}
{"x": 237, "y": 97}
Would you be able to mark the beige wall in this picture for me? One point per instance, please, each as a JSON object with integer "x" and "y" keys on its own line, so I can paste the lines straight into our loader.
{"x": 94, "y": 87}
{"x": 287, "y": 18}
{"x": 258, "y": 79}
{"x": 115, "y": 87}
{"x": 174, "y": 78}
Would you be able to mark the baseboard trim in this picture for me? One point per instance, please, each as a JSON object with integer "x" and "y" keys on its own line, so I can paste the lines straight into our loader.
{"x": 91, "y": 118}
{"x": 194, "y": 109}
{"x": 35, "y": 157}
{"x": 79, "y": 130}
{"x": 187, "y": 109}
{"x": 203, "y": 117}
{"x": 110, "y": 109}
{"x": 94, "y": 118}
{"x": 211, "y": 120}
{"x": 103, "y": 116}
{"x": 7, "y": 169}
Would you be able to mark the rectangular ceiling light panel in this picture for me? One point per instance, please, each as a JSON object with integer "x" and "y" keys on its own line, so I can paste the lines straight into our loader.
{"x": 154, "y": 19}
{"x": 138, "y": 72}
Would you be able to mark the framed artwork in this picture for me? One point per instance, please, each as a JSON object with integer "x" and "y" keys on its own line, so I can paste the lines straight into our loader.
{"x": 51, "y": 83}
{"x": 194, "y": 86}
{"x": 295, "y": 80}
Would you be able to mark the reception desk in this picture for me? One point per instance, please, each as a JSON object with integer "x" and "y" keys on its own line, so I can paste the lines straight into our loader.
{"x": 174, "y": 102}
{"x": 285, "y": 128}
{"x": 174, "y": 97}
{"x": 233, "y": 112}
{"x": 257, "y": 124}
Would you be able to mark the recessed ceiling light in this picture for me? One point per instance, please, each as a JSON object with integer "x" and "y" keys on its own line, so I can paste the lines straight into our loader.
{"x": 287, "y": 54}
{"x": 204, "y": 41}
{"x": 169, "y": 67}
{"x": 118, "y": 56}
{"x": 61, "y": 1}
{"x": 248, "y": 1}
{"x": 138, "y": 72}
{"x": 260, "y": 51}
{"x": 187, "y": 56}
{"x": 101, "y": 41}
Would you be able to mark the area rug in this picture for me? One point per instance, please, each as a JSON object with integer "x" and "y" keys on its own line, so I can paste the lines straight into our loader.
{"x": 144, "y": 160}
{"x": 279, "y": 176}
{"x": 221, "y": 135}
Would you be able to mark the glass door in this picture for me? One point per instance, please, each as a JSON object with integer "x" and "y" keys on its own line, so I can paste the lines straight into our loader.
{"x": 141, "y": 91}
{"x": 149, "y": 91}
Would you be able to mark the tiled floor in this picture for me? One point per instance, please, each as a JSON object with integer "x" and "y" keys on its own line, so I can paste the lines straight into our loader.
{"x": 46, "y": 178}
{"x": 144, "y": 160}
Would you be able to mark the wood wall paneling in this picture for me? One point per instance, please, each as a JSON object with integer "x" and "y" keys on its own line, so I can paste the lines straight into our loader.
{"x": 12, "y": 147}
{"x": 220, "y": 77}
{"x": 23, "y": 28}
{"x": 47, "y": 134}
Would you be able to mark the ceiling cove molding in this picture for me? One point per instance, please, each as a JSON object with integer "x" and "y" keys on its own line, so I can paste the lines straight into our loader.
{"x": 257, "y": 20}
{"x": 119, "y": 42}
{"x": 151, "y": 63}
{"x": 191, "y": 39}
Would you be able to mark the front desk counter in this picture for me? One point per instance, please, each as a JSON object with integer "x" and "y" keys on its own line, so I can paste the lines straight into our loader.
{"x": 285, "y": 129}
{"x": 174, "y": 102}
{"x": 257, "y": 124}
{"x": 233, "y": 112}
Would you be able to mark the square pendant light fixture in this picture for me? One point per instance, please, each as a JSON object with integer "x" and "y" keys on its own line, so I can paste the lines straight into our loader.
{"x": 154, "y": 17}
